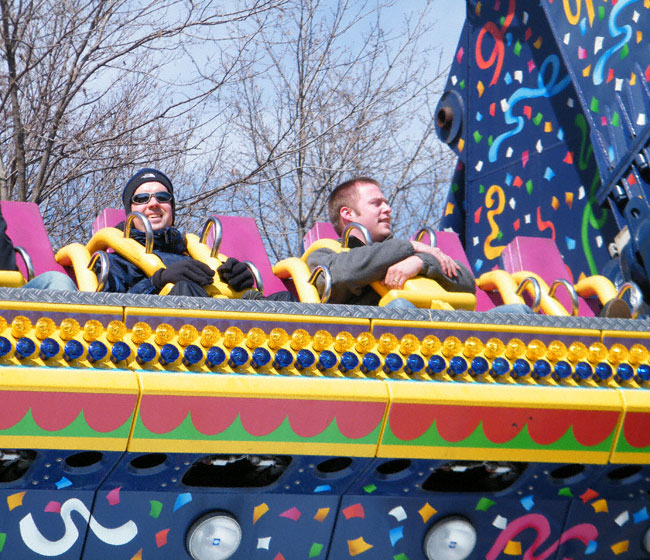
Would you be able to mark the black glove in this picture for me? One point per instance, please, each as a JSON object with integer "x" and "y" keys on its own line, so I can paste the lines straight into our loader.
{"x": 236, "y": 274}
{"x": 186, "y": 269}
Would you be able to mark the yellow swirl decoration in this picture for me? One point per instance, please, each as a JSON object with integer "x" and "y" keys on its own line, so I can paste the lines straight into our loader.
{"x": 490, "y": 251}
{"x": 574, "y": 18}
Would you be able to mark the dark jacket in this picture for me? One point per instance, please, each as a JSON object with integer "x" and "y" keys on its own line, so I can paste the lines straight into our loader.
{"x": 352, "y": 271}
{"x": 7, "y": 253}
{"x": 123, "y": 276}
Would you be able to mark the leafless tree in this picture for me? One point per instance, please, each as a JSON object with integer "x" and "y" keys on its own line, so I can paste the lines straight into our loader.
{"x": 93, "y": 89}
{"x": 329, "y": 91}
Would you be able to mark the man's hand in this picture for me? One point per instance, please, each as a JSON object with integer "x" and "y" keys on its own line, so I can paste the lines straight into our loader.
{"x": 449, "y": 266}
{"x": 401, "y": 271}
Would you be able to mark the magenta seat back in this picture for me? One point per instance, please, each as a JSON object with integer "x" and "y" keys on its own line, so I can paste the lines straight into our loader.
{"x": 320, "y": 230}
{"x": 109, "y": 217}
{"x": 26, "y": 229}
{"x": 542, "y": 256}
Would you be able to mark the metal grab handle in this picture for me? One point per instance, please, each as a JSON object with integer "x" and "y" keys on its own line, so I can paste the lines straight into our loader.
{"x": 148, "y": 231}
{"x": 327, "y": 277}
{"x": 102, "y": 257}
{"x": 572, "y": 292}
{"x": 259, "y": 283}
{"x": 29, "y": 265}
{"x": 537, "y": 291}
{"x": 432, "y": 235}
{"x": 352, "y": 226}
{"x": 212, "y": 223}
{"x": 636, "y": 298}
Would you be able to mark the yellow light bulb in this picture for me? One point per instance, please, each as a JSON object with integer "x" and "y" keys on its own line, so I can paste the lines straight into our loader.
{"x": 20, "y": 326}
{"x": 430, "y": 345}
{"x": 515, "y": 349}
{"x": 365, "y": 343}
{"x": 299, "y": 339}
{"x": 617, "y": 354}
{"x": 451, "y": 347}
{"x": 232, "y": 337}
{"x": 3, "y": 323}
{"x": 255, "y": 337}
{"x": 535, "y": 350}
{"x": 188, "y": 334}
{"x": 556, "y": 350}
{"x": 44, "y": 327}
{"x": 343, "y": 341}
{"x": 69, "y": 328}
{"x": 597, "y": 352}
{"x": 277, "y": 338}
{"x": 387, "y": 343}
{"x": 576, "y": 352}
{"x": 473, "y": 347}
{"x": 164, "y": 334}
{"x": 322, "y": 340}
{"x": 409, "y": 345}
{"x": 494, "y": 348}
{"x": 140, "y": 332}
{"x": 115, "y": 331}
{"x": 638, "y": 354}
{"x": 93, "y": 329}
{"x": 210, "y": 336}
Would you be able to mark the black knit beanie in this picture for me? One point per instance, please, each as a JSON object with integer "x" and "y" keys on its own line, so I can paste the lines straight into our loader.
{"x": 144, "y": 176}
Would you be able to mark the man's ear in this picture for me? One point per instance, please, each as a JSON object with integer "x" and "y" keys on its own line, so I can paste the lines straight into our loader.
{"x": 347, "y": 213}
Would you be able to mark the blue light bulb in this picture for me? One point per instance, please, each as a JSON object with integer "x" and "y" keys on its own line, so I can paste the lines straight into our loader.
{"x": 25, "y": 347}
{"x": 169, "y": 354}
{"x": 120, "y": 351}
{"x": 393, "y": 363}
{"x": 192, "y": 354}
{"x": 370, "y": 363}
{"x": 642, "y": 373}
{"x": 349, "y": 361}
{"x": 238, "y": 357}
{"x": 326, "y": 360}
{"x": 145, "y": 353}
{"x": 541, "y": 369}
{"x": 414, "y": 364}
{"x": 283, "y": 358}
{"x": 5, "y": 346}
{"x": 582, "y": 371}
{"x": 49, "y": 349}
{"x": 603, "y": 371}
{"x": 73, "y": 350}
{"x": 436, "y": 364}
{"x": 96, "y": 351}
{"x": 304, "y": 359}
{"x": 624, "y": 372}
{"x": 478, "y": 366}
{"x": 457, "y": 366}
{"x": 562, "y": 370}
{"x": 261, "y": 357}
{"x": 520, "y": 368}
{"x": 500, "y": 366}
{"x": 215, "y": 357}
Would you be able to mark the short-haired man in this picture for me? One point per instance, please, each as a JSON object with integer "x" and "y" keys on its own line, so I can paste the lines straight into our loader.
{"x": 151, "y": 193}
{"x": 388, "y": 259}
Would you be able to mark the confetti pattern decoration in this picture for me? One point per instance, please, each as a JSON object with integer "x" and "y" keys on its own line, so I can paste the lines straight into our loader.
{"x": 533, "y": 93}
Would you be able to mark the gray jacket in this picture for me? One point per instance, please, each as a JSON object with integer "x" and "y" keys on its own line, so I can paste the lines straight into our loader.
{"x": 352, "y": 271}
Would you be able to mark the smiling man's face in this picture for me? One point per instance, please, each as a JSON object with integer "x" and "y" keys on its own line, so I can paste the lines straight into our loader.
{"x": 371, "y": 209}
{"x": 159, "y": 213}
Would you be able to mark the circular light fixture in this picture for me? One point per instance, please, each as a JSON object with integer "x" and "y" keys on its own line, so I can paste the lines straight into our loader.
{"x": 453, "y": 538}
{"x": 214, "y": 536}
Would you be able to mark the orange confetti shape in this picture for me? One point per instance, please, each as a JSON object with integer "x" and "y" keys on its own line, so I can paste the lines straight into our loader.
{"x": 517, "y": 182}
{"x": 568, "y": 198}
{"x": 427, "y": 512}
{"x": 259, "y": 511}
{"x": 480, "y": 88}
{"x": 538, "y": 43}
{"x": 639, "y": 36}
{"x": 493, "y": 106}
{"x": 137, "y": 555}
{"x": 586, "y": 71}
{"x": 355, "y": 510}
{"x": 461, "y": 145}
{"x": 600, "y": 506}
{"x": 161, "y": 538}
{"x": 610, "y": 75}
{"x": 357, "y": 546}
{"x": 513, "y": 548}
{"x": 321, "y": 514}
{"x": 528, "y": 111}
{"x": 620, "y": 547}
{"x": 548, "y": 127}
{"x": 517, "y": 224}
{"x": 555, "y": 203}
{"x": 568, "y": 158}
{"x": 633, "y": 79}
{"x": 15, "y": 500}
{"x": 589, "y": 494}
{"x": 449, "y": 209}
{"x": 477, "y": 215}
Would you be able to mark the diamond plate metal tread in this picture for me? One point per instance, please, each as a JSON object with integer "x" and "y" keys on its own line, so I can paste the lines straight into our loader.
{"x": 324, "y": 310}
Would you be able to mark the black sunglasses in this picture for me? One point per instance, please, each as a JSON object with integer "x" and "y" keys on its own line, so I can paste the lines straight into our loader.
{"x": 143, "y": 198}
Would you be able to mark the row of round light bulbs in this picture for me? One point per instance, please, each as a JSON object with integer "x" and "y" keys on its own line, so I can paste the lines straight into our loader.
{"x": 408, "y": 354}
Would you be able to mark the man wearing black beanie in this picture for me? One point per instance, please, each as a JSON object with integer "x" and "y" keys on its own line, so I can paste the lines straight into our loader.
{"x": 151, "y": 193}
